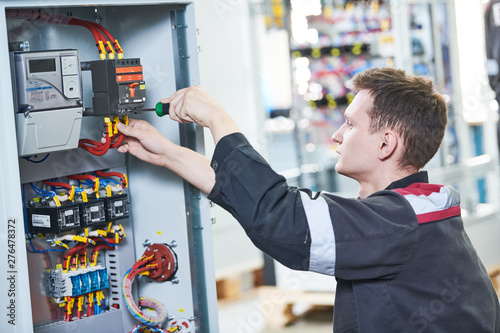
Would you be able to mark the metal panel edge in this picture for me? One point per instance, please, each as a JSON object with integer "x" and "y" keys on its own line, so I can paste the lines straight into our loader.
{"x": 11, "y": 207}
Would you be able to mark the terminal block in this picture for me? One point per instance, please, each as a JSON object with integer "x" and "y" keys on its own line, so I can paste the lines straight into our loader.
{"x": 94, "y": 213}
{"x": 44, "y": 220}
{"x": 56, "y": 286}
{"x": 78, "y": 282}
{"x": 117, "y": 207}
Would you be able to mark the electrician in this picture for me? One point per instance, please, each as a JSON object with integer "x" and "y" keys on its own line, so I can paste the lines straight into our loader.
{"x": 399, "y": 252}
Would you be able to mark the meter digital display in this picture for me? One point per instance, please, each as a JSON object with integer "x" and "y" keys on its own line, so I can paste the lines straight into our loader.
{"x": 42, "y": 65}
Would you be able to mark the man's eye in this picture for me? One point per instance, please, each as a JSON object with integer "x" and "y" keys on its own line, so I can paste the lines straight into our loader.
{"x": 349, "y": 124}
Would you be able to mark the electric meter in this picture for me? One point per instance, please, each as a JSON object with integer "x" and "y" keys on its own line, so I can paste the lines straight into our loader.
{"x": 48, "y": 100}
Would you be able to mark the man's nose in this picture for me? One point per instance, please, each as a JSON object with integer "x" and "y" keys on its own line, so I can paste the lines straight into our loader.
{"x": 337, "y": 136}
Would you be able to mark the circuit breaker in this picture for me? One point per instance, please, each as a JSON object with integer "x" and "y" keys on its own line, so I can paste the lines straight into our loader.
{"x": 92, "y": 239}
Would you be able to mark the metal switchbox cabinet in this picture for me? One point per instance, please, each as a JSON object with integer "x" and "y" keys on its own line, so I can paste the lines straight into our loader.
{"x": 65, "y": 197}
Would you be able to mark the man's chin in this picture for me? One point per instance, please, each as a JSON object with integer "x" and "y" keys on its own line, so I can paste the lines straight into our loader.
{"x": 338, "y": 169}
{"x": 341, "y": 171}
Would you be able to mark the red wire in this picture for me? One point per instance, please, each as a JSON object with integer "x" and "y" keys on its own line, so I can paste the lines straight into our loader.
{"x": 113, "y": 174}
{"x": 135, "y": 268}
{"x": 46, "y": 182}
{"x": 97, "y": 248}
{"x": 109, "y": 174}
{"x": 89, "y": 308}
{"x": 104, "y": 30}
{"x": 132, "y": 275}
{"x": 99, "y": 149}
{"x": 70, "y": 253}
{"x": 101, "y": 239}
{"x": 118, "y": 142}
{"x": 103, "y": 36}
{"x": 102, "y": 247}
{"x": 82, "y": 177}
{"x": 95, "y": 145}
{"x": 91, "y": 142}
{"x": 93, "y": 30}
{"x": 102, "y": 151}
{"x": 83, "y": 254}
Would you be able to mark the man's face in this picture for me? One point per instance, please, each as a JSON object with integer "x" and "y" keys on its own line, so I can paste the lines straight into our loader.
{"x": 358, "y": 149}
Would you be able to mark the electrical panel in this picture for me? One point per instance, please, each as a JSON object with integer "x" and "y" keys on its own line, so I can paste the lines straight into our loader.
{"x": 95, "y": 239}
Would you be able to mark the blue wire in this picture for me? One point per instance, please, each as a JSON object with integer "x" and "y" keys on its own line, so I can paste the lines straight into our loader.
{"x": 112, "y": 180}
{"x": 105, "y": 241}
{"x": 40, "y": 161}
{"x": 87, "y": 182}
{"x": 41, "y": 192}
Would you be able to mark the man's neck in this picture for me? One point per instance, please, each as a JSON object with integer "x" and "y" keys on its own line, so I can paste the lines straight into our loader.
{"x": 380, "y": 182}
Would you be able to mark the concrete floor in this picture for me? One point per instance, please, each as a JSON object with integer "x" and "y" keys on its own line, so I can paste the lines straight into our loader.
{"x": 246, "y": 315}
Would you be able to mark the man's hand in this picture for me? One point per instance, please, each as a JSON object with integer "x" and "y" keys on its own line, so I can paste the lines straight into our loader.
{"x": 194, "y": 104}
{"x": 188, "y": 105}
{"x": 144, "y": 141}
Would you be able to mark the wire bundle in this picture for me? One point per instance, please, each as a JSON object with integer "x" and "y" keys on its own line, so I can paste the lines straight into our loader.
{"x": 121, "y": 176}
{"x": 105, "y": 42}
{"x": 142, "y": 267}
{"x": 98, "y": 148}
{"x": 141, "y": 328}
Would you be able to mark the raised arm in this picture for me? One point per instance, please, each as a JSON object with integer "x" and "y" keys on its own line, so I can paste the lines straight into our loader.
{"x": 188, "y": 105}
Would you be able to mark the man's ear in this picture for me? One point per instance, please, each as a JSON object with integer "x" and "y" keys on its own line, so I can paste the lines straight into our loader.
{"x": 389, "y": 144}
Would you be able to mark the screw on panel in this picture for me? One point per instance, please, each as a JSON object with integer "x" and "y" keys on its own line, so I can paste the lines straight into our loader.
{"x": 173, "y": 244}
{"x": 146, "y": 243}
{"x": 175, "y": 280}
{"x": 24, "y": 46}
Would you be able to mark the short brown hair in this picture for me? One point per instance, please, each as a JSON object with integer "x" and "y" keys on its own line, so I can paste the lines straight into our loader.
{"x": 408, "y": 104}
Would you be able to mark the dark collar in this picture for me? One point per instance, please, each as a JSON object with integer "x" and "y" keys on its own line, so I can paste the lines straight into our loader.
{"x": 419, "y": 177}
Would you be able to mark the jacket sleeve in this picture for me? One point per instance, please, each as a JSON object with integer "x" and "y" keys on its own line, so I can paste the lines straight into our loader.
{"x": 322, "y": 233}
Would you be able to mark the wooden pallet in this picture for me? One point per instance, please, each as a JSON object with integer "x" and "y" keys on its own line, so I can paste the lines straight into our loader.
{"x": 277, "y": 304}
{"x": 233, "y": 281}
{"x": 494, "y": 273}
